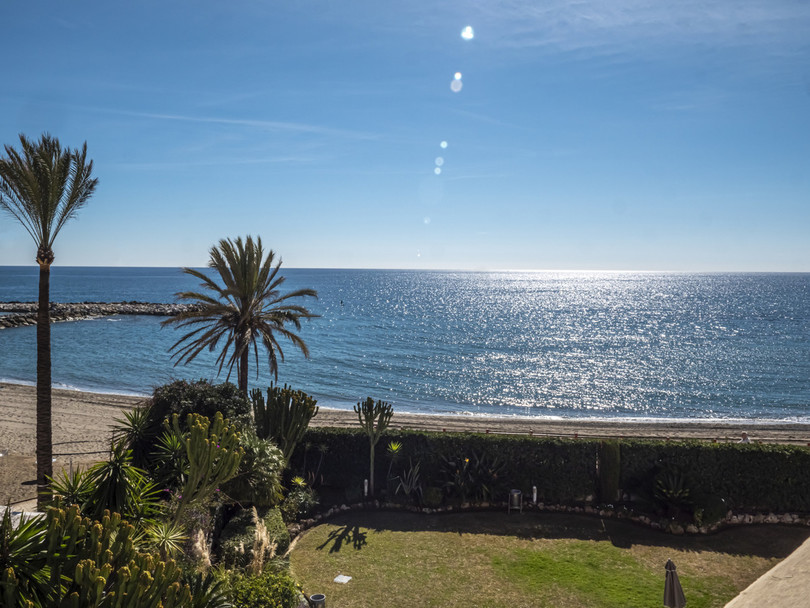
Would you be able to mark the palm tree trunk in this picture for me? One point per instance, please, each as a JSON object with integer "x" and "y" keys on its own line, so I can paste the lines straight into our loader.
{"x": 243, "y": 372}
{"x": 44, "y": 439}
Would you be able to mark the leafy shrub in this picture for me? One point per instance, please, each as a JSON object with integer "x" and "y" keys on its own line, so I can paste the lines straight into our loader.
{"x": 300, "y": 501}
{"x": 276, "y": 529}
{"x": 237, "y": 540}
{"x": 201, "y": 397}
{"x": 258, "y": 480}
{"x": 270, "y": 589}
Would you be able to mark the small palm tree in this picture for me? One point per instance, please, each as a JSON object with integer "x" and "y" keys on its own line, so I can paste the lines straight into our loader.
{"x": 246, "y": 310}
{"x": 43, "y": 186}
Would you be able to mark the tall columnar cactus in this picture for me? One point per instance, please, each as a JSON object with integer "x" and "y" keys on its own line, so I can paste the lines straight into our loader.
{"x": 285, "y": 416}
{"x": 374, "y": 418}
{"x": 92, "y": 564}
{"x": 213, "y": 457}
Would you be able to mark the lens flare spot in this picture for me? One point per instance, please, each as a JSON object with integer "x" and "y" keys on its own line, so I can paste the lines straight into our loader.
{"x": 437, "y": 171}
{"x": 455, "y": 86}
{"x": 439, "y": 161}
{"x": 427, "y": 220}
{"x": 457, "y": 76}
{"x": 468, "y": 33}
{"x": 443, "y": 145}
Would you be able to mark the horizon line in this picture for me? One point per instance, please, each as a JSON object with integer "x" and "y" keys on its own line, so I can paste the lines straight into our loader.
{"x": 471, "y": 270}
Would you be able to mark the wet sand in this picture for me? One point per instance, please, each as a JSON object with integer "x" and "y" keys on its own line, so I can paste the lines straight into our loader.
{"x": 82, "y": 429}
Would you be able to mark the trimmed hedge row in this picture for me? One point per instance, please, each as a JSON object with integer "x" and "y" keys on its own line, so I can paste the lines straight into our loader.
{"x": 756, "y": 477}
{"x": 745, "y": 476}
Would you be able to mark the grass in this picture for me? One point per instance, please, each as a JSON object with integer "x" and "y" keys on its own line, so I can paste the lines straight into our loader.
{"x": 491, "y": 559}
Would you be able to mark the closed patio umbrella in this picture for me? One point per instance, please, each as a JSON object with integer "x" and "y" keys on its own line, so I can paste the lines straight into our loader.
{"x": 673, "y": 594}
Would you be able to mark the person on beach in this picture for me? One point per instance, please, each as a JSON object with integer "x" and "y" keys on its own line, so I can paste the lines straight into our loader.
{"x": 744, "y": 438}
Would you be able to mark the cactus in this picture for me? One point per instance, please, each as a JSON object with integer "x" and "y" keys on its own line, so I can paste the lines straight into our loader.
{"x": 285, "y": 416}
{"x": 94, "y": 564}
{"x": 374, "y": 418}
{"x": 213, "y": 457}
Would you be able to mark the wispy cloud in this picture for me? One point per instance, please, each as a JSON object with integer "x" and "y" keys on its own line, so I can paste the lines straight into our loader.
{"x": 268, "y": 125}
{"x": 215, "y": 163}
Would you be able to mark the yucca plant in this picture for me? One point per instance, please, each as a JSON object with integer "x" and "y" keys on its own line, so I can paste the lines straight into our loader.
{"x": 136, "y": 431}
{"x": 119, "y": 487}
{"x": 23, "y": 559}
{"x": 72, "y": 488}
{"x": 171, "y": 460}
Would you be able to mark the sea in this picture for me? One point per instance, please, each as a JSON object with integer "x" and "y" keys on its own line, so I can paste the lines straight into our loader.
{"x": 598, "y": 345}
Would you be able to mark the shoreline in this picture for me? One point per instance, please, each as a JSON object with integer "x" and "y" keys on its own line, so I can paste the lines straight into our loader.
{"x": 477, "y": 417}
{"x": 82, "y": 429}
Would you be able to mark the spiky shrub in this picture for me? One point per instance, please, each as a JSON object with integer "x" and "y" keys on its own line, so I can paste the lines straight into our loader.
{"x": 374, "y": 419}
{"x": 283, "y": 417}
{"x": 208, "y": 590}
{"x": 81, "y": 562}
{"x": 117, "y": 486}
{"x": 71, "y": 487}
{"x": 22, "y": 561}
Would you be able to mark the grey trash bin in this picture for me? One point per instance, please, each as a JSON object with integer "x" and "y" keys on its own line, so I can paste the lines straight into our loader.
{"x": 515, "y": 501}
{"x": 318, "y": 600}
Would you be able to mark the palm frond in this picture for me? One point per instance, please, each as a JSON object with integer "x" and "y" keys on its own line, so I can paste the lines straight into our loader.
{"x": 238, "y": 307}
{"x": 44, "y": 186}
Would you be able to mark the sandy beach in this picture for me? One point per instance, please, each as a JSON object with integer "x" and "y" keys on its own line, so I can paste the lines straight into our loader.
{"x": 82, "y": 429}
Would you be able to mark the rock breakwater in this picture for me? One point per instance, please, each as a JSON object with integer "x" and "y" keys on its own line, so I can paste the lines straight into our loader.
{"x": 21, "y": 314}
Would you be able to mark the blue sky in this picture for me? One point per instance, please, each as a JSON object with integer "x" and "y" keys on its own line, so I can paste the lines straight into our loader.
{"x": 625, "y": 135}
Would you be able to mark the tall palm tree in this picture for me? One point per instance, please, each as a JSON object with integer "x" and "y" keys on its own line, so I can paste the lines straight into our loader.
{"x": 247, "y": 309}
{"x": 44, "y": 186}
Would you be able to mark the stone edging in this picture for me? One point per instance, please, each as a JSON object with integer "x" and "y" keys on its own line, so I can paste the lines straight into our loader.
{"x": 660, "y": 524}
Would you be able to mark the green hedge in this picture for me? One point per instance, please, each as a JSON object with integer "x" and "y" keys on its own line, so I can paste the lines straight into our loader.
{"x": 765, "y": 477}
{"x": 562, "y": 470}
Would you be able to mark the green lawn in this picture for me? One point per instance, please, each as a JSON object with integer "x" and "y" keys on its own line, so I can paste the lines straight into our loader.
{"x": 495, "y": 559}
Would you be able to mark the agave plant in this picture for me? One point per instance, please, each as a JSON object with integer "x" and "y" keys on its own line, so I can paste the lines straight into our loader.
{"x": 208, "y": 590}
{"x": 165, "y": 537}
